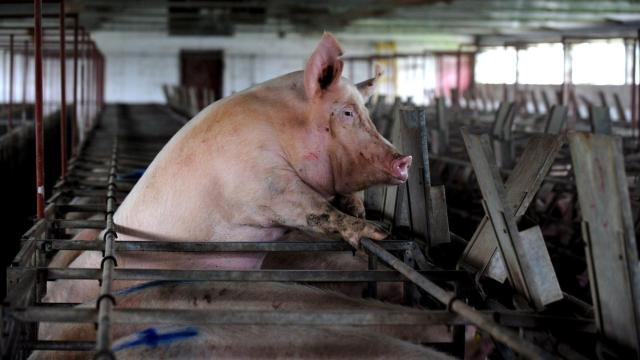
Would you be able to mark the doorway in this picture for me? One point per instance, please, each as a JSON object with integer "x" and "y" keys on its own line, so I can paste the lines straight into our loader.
{"x": 202, "y": 70}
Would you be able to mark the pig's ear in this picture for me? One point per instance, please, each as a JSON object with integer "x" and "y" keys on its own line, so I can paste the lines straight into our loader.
{"x": 324, "y": 67}
{"x": 367, "y": 87}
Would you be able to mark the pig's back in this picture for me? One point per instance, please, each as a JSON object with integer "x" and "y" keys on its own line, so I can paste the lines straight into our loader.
{"x": 214, "y": 155}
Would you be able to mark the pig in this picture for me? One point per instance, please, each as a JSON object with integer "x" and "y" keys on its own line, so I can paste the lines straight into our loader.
{"x": 256, "y": 341}
{"x": 268, "y": 158}
{"x": 278, "y": 155}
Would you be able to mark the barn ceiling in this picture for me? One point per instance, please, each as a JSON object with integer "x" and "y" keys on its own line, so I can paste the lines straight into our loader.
{"x": 486, "y": 19}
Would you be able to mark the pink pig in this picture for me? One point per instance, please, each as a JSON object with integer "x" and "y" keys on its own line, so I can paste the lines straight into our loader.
{"x": 288, "y": 153}
{"x": 272, "y": 157}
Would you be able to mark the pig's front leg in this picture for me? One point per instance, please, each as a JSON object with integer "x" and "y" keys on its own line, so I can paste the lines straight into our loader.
{"x": 350, "y": 204}
{"x": 292, "y": 203}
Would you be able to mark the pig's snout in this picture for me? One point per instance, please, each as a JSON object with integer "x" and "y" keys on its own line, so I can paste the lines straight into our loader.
{"x": 400, "y": 168}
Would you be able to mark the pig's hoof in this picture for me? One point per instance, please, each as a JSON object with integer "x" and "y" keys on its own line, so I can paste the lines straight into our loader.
{"x": 367, "y": 230}
{"x": 375, "y": 232}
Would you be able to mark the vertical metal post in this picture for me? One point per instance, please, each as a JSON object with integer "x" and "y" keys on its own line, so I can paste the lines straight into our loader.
{"x": 101, "y": 85}
{"x": 439, "y": 86}
{"x": 93, "y": 82}
{"x": 25, "y": 77}
{"x": 82, "y": 85}
{"x": 634, "y": 112}
{"x": 566, "y": 48}
{"x": 517, "y": 80}
{"x": 44, "y": 74}
{"x": 11, "y": 54}
{"x": 566, "y": 85}
{"x": 63, "y": 94}
{"x": 37, "y": 39}
{"x": 458, "y": 76}
{"x": 74, "y": 123}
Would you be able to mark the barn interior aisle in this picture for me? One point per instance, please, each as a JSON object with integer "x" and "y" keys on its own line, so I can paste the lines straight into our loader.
{"x": 196, "y": 179}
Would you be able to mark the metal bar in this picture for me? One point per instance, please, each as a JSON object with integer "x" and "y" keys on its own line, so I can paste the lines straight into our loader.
{"x": 11, "y": 55}
{"x": 25, "y": 73}
{"x": 82, "y": 88}
{"x": 448, "y": 298}
{"x": 407, "y": 317}
{"x": 78, "y": 224}
{"x": 74, "y": 123}
{"x": 38, "y": 110}
{"x": 239, "y": 317}
{"x": 106, "y": 301}
{"x": 634, "y": 109}
{"x": 245, "y": 275}
{"x": 66, "y": 208}
{"x": 60, "y": 345}
{"x": 206, "y": 246}
{"x": 63, "y": 96}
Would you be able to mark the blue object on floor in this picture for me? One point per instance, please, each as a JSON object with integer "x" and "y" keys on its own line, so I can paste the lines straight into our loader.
{"x": 151, "y": 338}
{"x": 135, "y": 174}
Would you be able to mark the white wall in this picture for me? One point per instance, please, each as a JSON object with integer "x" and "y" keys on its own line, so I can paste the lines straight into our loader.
{"x": 137, "y": 64}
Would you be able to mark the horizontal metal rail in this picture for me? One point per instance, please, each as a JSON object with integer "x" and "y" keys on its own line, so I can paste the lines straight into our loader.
{"x": 246, "y": 275}
{"x": 204, "y": 246}
{"x": 236, "y": 317}
{"x": 66, "y": 208}
{"x": 60, "y": 345}
{"x": 408, "y": 317}
{"x": 78, "y": 224}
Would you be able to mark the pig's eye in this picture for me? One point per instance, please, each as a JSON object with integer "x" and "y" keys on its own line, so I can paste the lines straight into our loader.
{"x": 348, "y": 113}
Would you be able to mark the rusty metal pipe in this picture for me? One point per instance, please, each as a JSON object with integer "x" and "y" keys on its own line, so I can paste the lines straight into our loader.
{"x": 25, "y": 73}
{"x": 37, "y": 4}
{"x": 11, "y": 55}
{"x": 63, "y": 96}
{"x": 74, "y": 123}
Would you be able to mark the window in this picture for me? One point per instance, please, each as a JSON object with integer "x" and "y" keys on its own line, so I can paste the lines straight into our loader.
{"x": 496, "y": 66}
{"x": 599, "y": 62}
{"x": 541, "y": 64}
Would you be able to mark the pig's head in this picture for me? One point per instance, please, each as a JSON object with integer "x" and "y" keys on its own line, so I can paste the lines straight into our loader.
{"x": 360, "y": 157}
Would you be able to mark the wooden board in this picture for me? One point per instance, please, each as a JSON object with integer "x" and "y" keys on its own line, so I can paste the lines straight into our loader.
{"x": 481, "y": 254}
{"x": 500, "y": 214}
{"x": 556, "y": 119}
{"x": 409, "y": 141}
{"x": 611, "y": 248}
{"x": 600, "y": 120}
